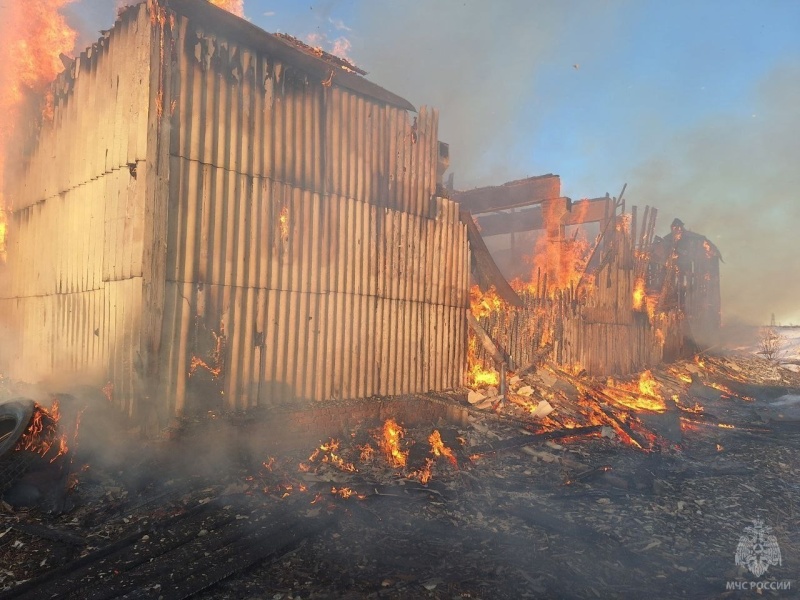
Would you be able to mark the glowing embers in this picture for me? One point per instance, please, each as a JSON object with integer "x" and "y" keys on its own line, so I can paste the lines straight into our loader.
{"x": 353, "y": 470}
{"x": 645, "y": 394}
{"x": 3, "y": 225}
{"x": 42, "y": 436}
{"x": 215, "y": 364}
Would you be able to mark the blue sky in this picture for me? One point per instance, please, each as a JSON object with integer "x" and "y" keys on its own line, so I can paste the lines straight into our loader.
{"x": 695, "y": 104}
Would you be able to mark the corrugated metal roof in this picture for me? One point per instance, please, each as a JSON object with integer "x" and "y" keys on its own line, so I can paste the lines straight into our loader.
{"x": 228, "y": 25}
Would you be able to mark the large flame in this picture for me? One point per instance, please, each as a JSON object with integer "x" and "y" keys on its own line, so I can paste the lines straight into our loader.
{"x": 482, "y": 304}
{"x": 232, "y": 6}
{"x": 439, "y": 449}
{"x": 562, "y": 260}
{"x": 390, "y": 443}
{"x": 642, "y": 395}
{"x": 638, "y": 294}
{"x": 35, "y": 33}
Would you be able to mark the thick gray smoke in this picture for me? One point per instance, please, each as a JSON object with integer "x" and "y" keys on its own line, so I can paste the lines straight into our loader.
{"x": 485, "y": 65}
{"x": 477, "y": 62}
{"x": 736, "y": 180}
{"x": 733, "y": 177}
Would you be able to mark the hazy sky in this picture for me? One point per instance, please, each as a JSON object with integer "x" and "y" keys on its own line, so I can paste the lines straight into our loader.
{"x": 694, "y": 103}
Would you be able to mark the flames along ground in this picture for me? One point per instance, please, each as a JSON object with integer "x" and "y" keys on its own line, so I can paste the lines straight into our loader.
{"x": 380, "y": 452}
{"x": 37, "y": 46}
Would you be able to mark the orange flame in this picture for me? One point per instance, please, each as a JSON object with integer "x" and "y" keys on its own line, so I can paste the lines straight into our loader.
{"x": 390, "y": 444}
{"x": 217, "y": 356}
{"x": 232, "y": 6}
{"x": 439, "y": 449}
{"x": 562, "y": 260}
{"x": 35, "y": 34}
{"x": 638, "y": 294}
{"x": 328, "y": 452}
{"x": 425, "y": 473}
{"x": 283, "y": 223}
{"x": 643, "y": 395}
{"x": 482, "y": 304}
{"x": 346, "y": 493}
{"x": 479, "y": 377}
{"x": 42, "y": 433}
{"x": 366, "y": 453}
{"x": 728, "y": 392}
{"x": 3, "y": 220}
{"x": 649, "y": 386}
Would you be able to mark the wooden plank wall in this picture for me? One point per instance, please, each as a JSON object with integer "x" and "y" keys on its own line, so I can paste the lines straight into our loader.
{"x": 251, "y": 114}
{"x": 595, "y": 328}
{"x": 279, "y": 229}
{"x": 307, "y": 258}
{"x": 73, "y": 298}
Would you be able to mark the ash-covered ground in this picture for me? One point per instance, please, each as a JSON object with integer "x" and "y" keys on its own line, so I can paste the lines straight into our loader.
{"x": 212, "y": 511}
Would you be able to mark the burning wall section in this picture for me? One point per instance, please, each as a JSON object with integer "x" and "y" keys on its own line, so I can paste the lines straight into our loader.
{"x": 71, "y": 302}
{"x": 244, "y": 223}
{"x": 597, "y": 317}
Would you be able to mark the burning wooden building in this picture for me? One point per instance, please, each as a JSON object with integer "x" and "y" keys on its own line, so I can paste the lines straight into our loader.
{"x": 210, "y": 216}
{"x": 616, "y": 305}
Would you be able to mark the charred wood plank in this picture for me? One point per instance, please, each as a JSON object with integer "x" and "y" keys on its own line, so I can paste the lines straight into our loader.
{"x": 49, "y": 533}
{"x": 524, "y": 440}
{"x": 640, "y": 441}
{"x": 499, "y": 357}
{"x": 211, "y": 570}
{"x": 538, "y": 358}
{"x": 487, "y": 273}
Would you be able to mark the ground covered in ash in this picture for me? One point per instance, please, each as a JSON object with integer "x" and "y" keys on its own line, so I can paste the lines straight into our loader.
{"x": 484, "y": 508}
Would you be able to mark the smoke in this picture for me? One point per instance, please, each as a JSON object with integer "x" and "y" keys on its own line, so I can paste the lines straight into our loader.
{"x": 490, "y": 69}
{"x": 735, "y": 179}
{"x": 479, "y": 63}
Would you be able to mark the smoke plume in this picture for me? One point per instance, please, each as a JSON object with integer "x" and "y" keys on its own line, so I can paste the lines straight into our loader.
{"x": 478, "y": 63}
{"x": 735, "y": 179}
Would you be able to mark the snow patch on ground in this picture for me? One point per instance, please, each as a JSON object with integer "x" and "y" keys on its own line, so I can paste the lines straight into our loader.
{"x": 788, "y": 345}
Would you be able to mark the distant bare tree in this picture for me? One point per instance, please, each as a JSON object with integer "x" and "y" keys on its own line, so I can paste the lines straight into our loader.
{"x": 770, "y": 343}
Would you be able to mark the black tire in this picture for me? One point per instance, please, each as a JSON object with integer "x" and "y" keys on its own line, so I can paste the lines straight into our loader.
{"x": 15, "y": 417}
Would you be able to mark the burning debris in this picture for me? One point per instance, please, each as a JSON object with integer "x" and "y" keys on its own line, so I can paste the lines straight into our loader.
{"x": 381, "y": 457}
{"x": 573, "y": 425}
{"x": 43, "y": 435}
{"x": 508, "y": 479}
{"x": 505, "y": 479}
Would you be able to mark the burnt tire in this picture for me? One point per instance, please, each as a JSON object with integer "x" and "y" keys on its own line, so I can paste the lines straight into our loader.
{"x": 15, "y": 417}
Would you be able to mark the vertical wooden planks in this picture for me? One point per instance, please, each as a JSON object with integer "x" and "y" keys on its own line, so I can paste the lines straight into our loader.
{"x": 346, "y": 304}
